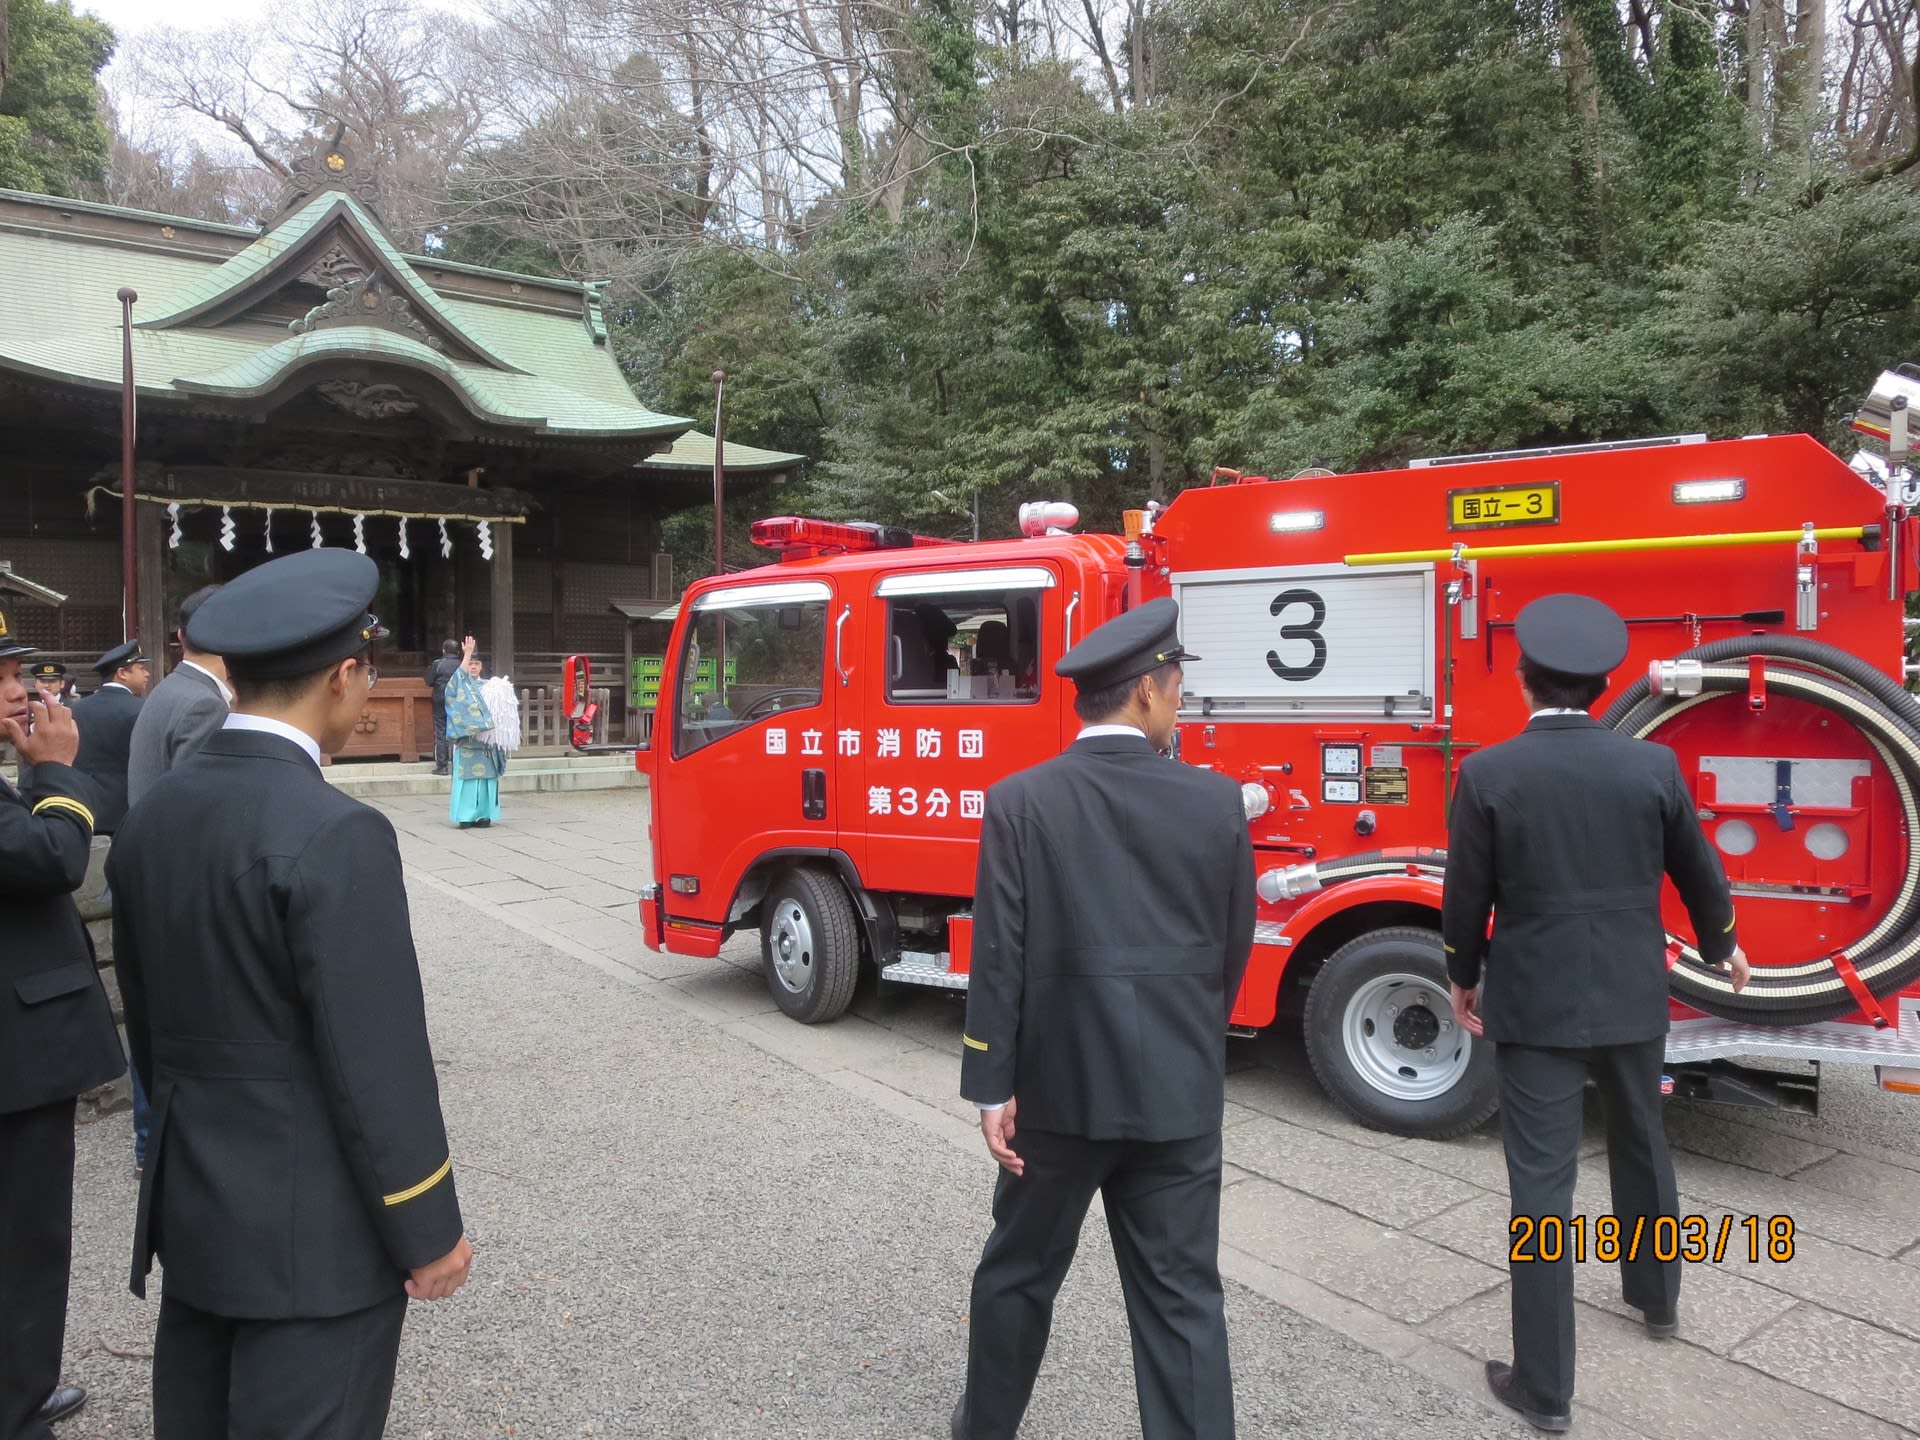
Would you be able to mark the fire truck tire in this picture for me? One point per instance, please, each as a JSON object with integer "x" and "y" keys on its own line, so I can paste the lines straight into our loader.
{"x": 1384, "y": 1044}
{"x": 810, "y": 945}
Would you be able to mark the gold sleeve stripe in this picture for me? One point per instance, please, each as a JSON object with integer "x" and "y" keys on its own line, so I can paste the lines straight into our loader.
{"x": 973, "y": 1043}
{"x": 1448, "y": 948}
{"x": 1728, "y": 929}
{"x": 62, "y": 802}
{"x": 400, "y": 1197}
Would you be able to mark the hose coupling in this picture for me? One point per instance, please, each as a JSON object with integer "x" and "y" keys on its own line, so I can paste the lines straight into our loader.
{"x": 1288, "y": 883}
{"x": 1684, "y": 678}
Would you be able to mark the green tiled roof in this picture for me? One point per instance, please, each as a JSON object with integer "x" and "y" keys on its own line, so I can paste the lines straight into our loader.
{"x": 694, "y": 451}
{"x": 536, "y": 363}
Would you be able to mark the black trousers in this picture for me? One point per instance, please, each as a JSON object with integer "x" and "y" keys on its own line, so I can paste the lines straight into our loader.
{"x": 1163, "y": 1208}
{"x": 1540, "y": 1123}
{"x": 36, "y": 1251}
{"x": 216, "y": 1378}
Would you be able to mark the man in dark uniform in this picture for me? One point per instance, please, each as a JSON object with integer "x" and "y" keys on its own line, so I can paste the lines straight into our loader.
{"x": 57, "y": 1041}
{"x": 49, "y": 677}
{"x": 438, "y": 674}
{"x": 1575, "y": 974}
{"x": 47, "y": 682}
{"x": 182, "y": 712}
{"x": 178, "y": 716}
{"x": 1113, "y": 918}
{"x": 298, "y": 1187}
{"x": 106, "y": 720}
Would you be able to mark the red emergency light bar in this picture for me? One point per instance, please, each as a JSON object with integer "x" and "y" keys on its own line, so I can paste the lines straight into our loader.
{"x": 801, "y": 535}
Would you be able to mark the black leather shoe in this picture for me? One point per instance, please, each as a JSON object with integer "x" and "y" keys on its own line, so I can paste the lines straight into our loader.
{"x": 1508, "y": 1392}
{"x": 61, "y": 1403}
{"x": 1662, "y": 1327}
{"x": 960, "y": 1418}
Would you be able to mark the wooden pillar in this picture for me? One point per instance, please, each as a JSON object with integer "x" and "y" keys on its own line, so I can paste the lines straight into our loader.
{"x": 502, "y": 589}
{"x": 150, "y": 572}
{"x": 625, "y": 688}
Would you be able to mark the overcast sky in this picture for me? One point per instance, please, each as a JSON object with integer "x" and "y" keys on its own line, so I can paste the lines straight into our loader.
{"x": 129, "y": 17}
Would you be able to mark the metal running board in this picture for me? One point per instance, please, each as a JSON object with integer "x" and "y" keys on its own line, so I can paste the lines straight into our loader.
{"x": 923, "y": 967}
{"x": 1269, "y": 932}
{"x": 1830, "y": 1042}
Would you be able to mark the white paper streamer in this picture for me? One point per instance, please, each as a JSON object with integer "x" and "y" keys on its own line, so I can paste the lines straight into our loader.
{"x": 173, "y": 514}
{"x": 446, "y": 541}
{"x": 486, "y": 540}
{"x": 360, "y": 533}
{"x": 318, "y": 539}
{"x": 226, "y": 528}
{"x": 269, "y": 532}
{"x": 405, "y": 553}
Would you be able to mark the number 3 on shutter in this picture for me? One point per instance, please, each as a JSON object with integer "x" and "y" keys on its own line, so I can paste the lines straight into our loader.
{"x": 1308, "y": 631}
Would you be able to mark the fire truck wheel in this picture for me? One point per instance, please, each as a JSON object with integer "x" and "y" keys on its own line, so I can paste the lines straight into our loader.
{"x": 1384, "y": 1044}
{"x": 810, "y": 945}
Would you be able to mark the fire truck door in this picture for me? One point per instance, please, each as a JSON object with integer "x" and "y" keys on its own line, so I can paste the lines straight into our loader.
{"x": 964, "y": 693}
{"x": 750, "y": 742}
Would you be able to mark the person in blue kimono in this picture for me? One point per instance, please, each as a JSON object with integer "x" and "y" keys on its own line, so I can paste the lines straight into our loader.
{"x": 477, "y": 761}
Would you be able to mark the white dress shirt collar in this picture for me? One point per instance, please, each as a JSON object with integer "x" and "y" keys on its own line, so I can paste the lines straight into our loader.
{"x": 1557, "y": 710}
{"x": 1094, "y": 732}
{"x": 267, "y": 725}
{"x": 226, "y": 692}
{"x": 115, "y": 685}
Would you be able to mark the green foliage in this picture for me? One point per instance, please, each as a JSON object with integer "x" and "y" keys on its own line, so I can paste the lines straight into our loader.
{"x": 1787, "y": 314}
{"x": 53, "y": 134}
{"x": 1340, "y": 234}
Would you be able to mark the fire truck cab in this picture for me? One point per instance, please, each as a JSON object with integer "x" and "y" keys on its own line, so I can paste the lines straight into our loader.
{"x": 829, "y": 726}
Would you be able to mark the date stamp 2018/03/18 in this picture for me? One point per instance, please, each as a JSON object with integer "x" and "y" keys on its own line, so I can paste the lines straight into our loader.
{"x": 1695, "y": 1239}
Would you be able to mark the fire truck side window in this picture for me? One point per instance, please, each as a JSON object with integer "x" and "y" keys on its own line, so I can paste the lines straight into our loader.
{"x": 744, "y": 664}
{"x": 967, "y": 648}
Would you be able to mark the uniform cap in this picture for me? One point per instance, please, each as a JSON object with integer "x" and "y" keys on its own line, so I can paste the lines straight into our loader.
{"x": 11, "y": 647}
{"x": 1126, "y": 647}
{"x": 291, "y": 616}
{"x": 47, "y": 670}
{"x": 120, "y": 655}
{"x": 1572, "y": 635}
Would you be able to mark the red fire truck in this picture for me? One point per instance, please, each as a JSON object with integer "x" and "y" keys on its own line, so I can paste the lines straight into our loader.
{"x": 829, "y": 724}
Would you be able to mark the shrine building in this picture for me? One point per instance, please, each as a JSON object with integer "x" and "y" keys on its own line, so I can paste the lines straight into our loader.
{"x": 309, "y": 383}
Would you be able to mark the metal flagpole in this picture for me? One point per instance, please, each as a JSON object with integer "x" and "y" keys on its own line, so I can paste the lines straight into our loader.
{"x": 719, "y": 525}
{"x": 128, "y": 571}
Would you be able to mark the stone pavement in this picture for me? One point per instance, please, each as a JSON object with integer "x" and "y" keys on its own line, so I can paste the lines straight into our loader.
{"x": 811, "y": 1199}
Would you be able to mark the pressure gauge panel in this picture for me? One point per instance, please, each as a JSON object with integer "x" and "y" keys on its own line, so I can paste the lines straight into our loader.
{"x": 1340, "y": 759}
{"x": 1340, "y": 792}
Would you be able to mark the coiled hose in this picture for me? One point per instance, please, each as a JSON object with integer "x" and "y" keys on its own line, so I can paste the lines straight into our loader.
{"x": 1888, "y": 956}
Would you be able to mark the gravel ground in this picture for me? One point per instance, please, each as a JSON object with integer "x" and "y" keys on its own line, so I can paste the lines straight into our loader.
{"x": 681, "y": 1235}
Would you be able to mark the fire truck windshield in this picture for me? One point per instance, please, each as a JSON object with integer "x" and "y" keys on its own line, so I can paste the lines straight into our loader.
{"x": 743, "y": 663}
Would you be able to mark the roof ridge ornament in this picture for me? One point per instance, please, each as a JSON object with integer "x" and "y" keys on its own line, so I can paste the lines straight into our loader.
{"x": 367, "y": 301}
{"x": 332, "y": 166}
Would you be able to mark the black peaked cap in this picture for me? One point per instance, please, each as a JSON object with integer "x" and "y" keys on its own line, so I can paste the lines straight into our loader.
{"x": 291, "y": 616}
{"x": 1126, "y": 647}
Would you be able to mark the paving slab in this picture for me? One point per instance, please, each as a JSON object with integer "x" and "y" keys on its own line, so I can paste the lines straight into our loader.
{"x": 1882, "y": 1183}
{"x": 1707, "y": 1130}
{"x": 1671, "y": 1390}
{"x": 1381, "y": 1187}
{"x": 1392, "y": 1271}
{"x": 1842, "y": 1358}
{"x": 1739, "y": 1191}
